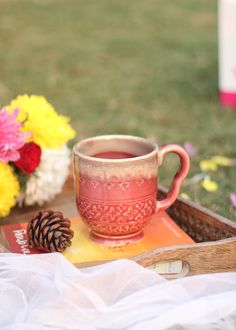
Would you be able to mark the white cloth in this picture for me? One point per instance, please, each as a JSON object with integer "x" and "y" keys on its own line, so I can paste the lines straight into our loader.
{"x": 40, "y": 292}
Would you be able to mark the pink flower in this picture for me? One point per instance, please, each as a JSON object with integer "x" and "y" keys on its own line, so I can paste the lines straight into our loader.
{"x": 11, "y": 137}
{"x": 190, "y": 149}
{"x": 232, "y": 198}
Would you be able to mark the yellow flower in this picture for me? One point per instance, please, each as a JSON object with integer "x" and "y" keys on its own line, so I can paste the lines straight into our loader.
{"x": 208, "y": 165}
{"x": 50, "y": 130}
{"x": 9, "y": 189}
{"x": 185, "y": 196}
{"x": 222, "y": 161}
{"x": 209, "y": 185}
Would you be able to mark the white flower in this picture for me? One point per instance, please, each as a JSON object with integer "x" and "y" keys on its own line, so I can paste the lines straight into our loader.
{"x": 49, "y": 177}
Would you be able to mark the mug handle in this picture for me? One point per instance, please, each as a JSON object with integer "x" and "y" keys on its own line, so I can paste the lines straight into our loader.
{"x": 179, "y": 176}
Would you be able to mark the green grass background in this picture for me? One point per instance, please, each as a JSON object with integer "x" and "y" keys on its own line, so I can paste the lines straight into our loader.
{"x": 147, "y": 68}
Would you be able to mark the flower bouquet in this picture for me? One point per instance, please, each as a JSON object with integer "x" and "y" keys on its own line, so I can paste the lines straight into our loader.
{"x": 34, "y": 157}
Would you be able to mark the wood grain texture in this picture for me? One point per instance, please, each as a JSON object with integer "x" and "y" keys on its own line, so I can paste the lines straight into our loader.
{"x": 208, "y": 257}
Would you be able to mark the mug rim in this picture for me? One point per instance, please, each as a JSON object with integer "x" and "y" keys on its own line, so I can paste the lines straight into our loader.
{"x": 76, "y": 152}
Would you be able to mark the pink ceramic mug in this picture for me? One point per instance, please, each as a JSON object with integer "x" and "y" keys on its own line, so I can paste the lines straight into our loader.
{"x": 116, "y": 185}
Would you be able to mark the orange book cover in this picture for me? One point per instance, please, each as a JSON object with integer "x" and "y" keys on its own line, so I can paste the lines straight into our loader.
{"x": 161, "y": 231}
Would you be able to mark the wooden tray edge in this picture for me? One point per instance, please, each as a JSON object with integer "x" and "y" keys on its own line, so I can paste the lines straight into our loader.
{"x": 183, "y": 203}
{"x": 207, "y": 257}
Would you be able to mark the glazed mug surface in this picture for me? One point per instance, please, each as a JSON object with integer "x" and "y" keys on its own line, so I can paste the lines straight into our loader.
{"x": 116, "y": 180}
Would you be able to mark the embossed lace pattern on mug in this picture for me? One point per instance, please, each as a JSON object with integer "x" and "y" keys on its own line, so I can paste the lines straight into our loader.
{"x": 116, "y": 190}
{"x": 119, "y": 218}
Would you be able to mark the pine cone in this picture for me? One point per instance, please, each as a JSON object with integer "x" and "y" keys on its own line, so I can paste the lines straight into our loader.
{"x": 49, "y": 231}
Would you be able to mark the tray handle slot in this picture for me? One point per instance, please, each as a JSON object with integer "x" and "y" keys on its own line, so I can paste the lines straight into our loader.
{"x": 206, "y": 257}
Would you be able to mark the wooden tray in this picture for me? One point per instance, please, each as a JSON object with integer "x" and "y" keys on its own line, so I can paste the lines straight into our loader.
{"x": 215, "y": 237}
{"x": 215, "y": 250}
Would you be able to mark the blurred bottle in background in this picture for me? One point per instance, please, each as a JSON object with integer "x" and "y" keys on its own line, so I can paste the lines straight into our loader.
{"x": 227, "y": 52}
